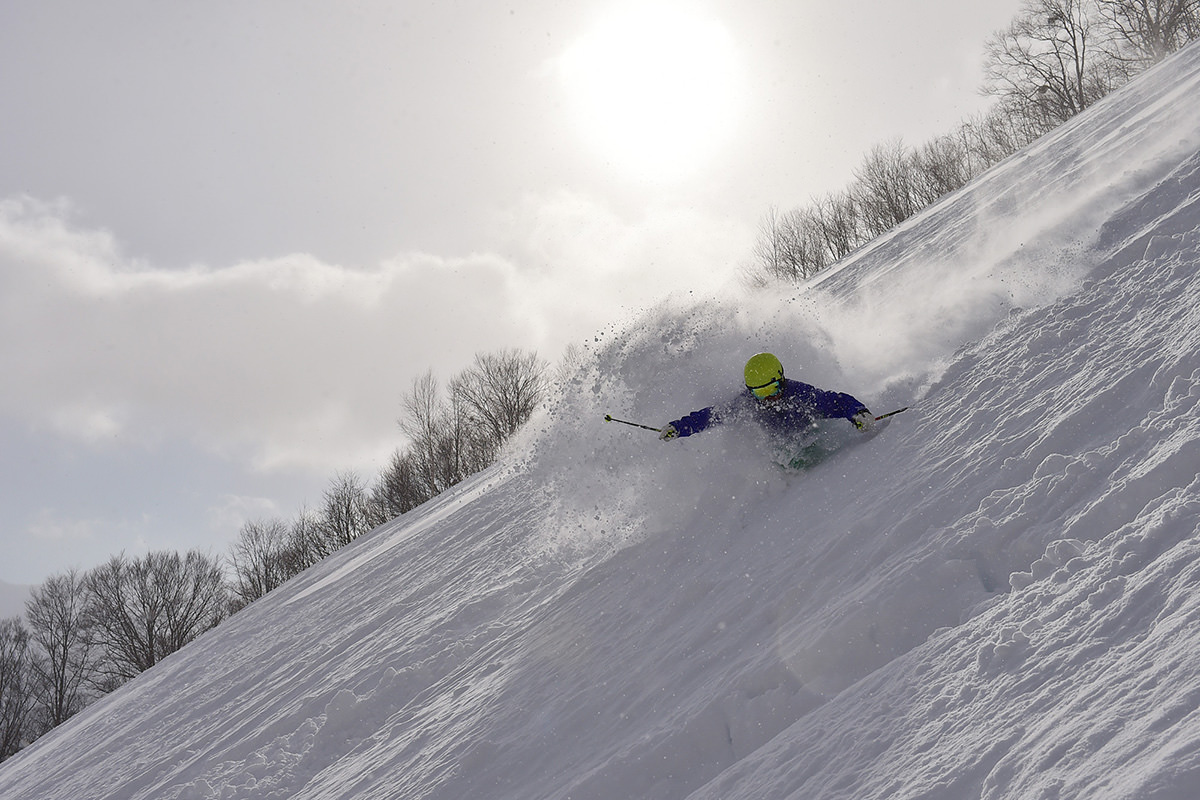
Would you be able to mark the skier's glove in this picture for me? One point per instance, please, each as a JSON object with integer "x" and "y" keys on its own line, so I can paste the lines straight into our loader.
{"x": 668, "y": 432}
{"x": 863, "y": 420}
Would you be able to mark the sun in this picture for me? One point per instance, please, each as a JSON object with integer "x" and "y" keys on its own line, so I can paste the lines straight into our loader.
{"x": 654, "y": 89}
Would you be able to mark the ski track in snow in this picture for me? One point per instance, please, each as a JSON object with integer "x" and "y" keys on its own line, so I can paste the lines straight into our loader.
{"x": 993, "y": 597}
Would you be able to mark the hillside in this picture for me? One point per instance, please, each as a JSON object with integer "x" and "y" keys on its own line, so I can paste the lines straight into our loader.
{"x": 994, "y": 597}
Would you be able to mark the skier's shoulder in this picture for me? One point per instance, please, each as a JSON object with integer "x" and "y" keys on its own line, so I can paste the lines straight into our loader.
{"x": 799, "y": 390}
{"x": 734, "y": 405}
{"x": 828, "y": 403}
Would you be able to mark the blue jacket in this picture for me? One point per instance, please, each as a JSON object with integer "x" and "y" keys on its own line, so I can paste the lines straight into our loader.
{"x": 794, "y": 410}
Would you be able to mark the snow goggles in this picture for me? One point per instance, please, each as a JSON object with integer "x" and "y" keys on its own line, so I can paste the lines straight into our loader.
{"x": 767, "y": 389}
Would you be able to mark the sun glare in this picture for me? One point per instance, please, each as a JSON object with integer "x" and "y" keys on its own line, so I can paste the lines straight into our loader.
{"x": 654, "y": 90}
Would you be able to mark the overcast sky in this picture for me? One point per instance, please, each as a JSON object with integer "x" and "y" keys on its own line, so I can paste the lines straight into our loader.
{"x": 232, "y": 233}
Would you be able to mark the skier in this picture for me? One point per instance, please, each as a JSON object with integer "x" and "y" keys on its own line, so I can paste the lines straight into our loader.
{"x": 788, "y": 409}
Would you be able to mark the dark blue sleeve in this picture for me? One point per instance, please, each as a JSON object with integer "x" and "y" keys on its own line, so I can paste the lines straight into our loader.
{"x": 694, "y": 422}
{"x": 831, "y": 405}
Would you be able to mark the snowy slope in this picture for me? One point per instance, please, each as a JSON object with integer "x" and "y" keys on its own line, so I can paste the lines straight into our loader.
{"x": 994, "y": 597}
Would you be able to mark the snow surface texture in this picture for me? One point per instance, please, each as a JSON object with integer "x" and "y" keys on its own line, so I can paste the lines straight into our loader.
{"x": 994, "y": 597}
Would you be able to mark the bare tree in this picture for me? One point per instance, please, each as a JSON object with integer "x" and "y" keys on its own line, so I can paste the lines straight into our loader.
{"x": 893, "y": 183}
{"x": 501, "y": 390}
{"x": 885, "y": 188}
{"x": 397, "y": 489}
{"x": 994, "y": 136}
{"x": 344, "y": 514}
{"x": 15, "y": 693}
{"x": 1147, "y": 31}
{"x": 794, "y": 246}
{"x": 423, "y": 421}
{"x": 838, "y": 227}
{"x": 446, "y": 444}
{"x": 65, "y": 664}
{"x": 306, "y": 542}
{"x": 1051, "y": 61}
{"x": 259, "y": 560}
{"x": 790, "y": 245}
{"x": 468, "y": 445}
{"x": 146, "y": 608}
{"x": 450, "y": 439}
{"x": 570, "y": 363}
{"x": 1057, "y": 58}
{"x": 940, "y": 166}
{"x": 769, "y": 253}
{"x": 197, "y": 596}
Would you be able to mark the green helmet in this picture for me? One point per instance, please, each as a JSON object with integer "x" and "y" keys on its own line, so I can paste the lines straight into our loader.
{"x": 764, "y": 375}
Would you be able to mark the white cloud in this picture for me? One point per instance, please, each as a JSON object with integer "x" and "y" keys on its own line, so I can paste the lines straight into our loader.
{"x": 291, "y": 362}
{"x": 283, "y": 360}
{"x": 91, "y": 424}
{"x": 49, "y": 526}
{"x": 233, "y": 511}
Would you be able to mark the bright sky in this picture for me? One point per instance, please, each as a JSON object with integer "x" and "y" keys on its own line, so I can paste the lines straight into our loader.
{"x": 232, "y": 233}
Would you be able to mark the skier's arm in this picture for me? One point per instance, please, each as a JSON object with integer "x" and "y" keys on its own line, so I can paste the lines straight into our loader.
{"x": 860, "y": 416}
{"x": 833, "y": 405}
{"x": 689, "y": 424}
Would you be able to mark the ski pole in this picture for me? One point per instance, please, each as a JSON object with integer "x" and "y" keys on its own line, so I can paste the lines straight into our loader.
{"x": 891, "y": 413}
{"x": 609, "y": 418}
